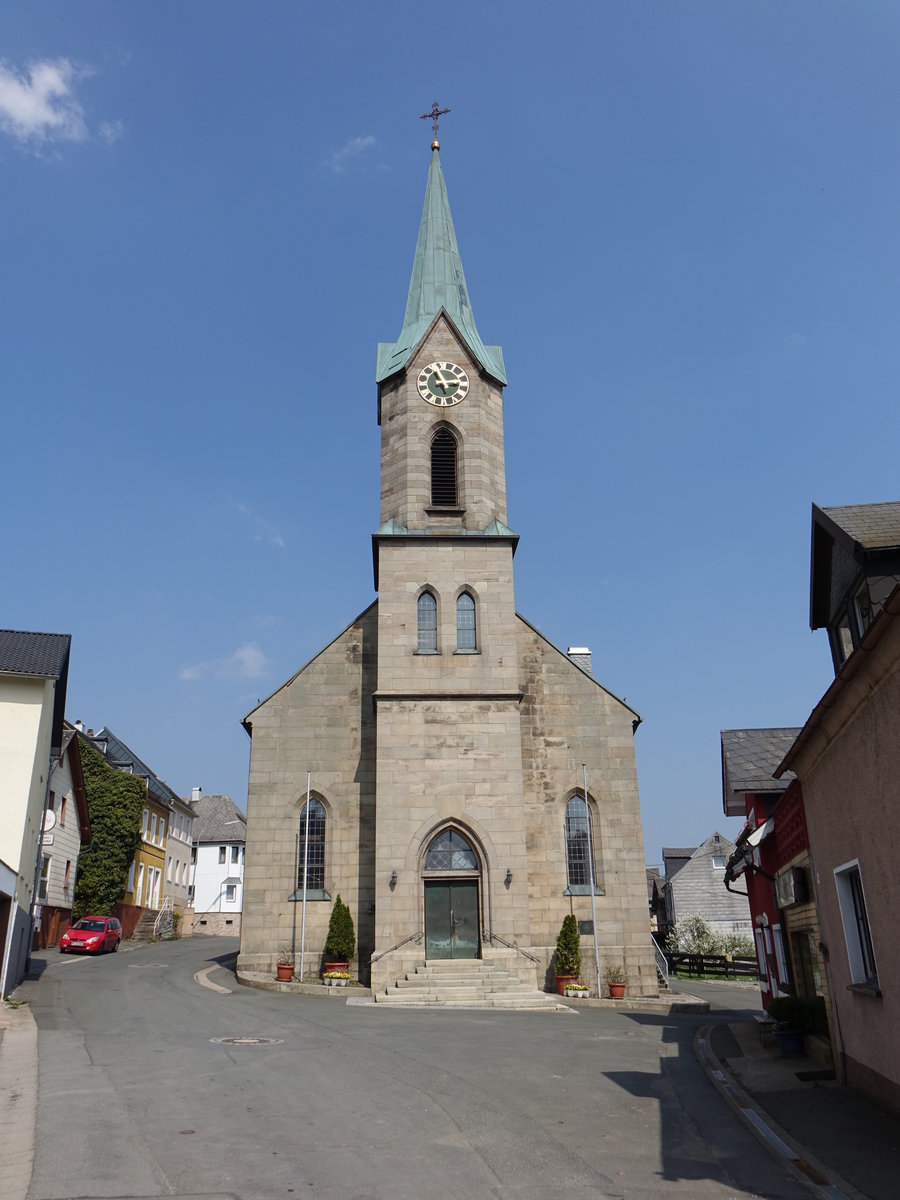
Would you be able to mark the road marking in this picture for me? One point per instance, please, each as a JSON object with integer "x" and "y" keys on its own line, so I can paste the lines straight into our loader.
{"x": 201, "y": 978}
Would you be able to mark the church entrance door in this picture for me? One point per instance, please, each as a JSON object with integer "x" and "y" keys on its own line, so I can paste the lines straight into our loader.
{"x": 451, "y": 918}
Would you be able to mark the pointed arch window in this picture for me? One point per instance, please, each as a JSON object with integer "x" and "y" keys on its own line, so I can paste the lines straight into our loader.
{"x": 314, "y": 855}
{"x": 426, "y": 620}
{"x": 580, "y": 846}
{"x": 450, "y": 851}
{"x": 465, "y": 622}
{"x": 444, "y": 490}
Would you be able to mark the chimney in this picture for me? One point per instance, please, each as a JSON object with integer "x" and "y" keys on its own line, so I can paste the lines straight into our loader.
{"x": 581, "y": 656}
{"x": 195, "y": 793}
{"x": 79, "y": 725}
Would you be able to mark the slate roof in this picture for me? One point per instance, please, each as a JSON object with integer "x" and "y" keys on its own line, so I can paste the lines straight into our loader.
{"x": 676, "y": 857}
{"x": 653, "y": 878}
{"x": 121, "y": 756}
{"x": 750, "y": 758}
{"x": 218, "y": 819}
{"x": 437, "y": 284}
{"x": 41, "y": 655}
{"x": 871, "y": 526}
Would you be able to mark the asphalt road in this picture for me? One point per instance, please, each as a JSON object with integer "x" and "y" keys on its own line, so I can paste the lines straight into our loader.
{"x": 138, "y": 1098}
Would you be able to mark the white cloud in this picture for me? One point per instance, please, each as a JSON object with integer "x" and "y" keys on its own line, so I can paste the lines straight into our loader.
{"x": 111, "y": 131}
{"x": 246, "y": 662}
{"x": 352, "y": 150}
{"x": 41, "y": 106}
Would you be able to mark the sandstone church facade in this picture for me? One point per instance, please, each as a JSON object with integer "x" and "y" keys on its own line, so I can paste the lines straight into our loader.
{"x": 444, "y": 735}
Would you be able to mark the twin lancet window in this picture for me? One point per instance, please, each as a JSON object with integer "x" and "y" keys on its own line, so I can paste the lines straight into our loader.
{"x": 426, "y": 621}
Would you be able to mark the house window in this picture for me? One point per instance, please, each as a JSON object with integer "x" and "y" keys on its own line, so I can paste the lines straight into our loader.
{"x": 51, "y": 801}
{"x": 443, "y": 469}
{"x": 580, "y": 850}
{"x": 718, "y": 861}
{"x": 862, "y": 606}
{"x": 193, "y": 854}
{"x": 68, "y": 874}
{"x": 426, "y": 618}
{"x": 145, "y": 823}
{"x": 450, "y": 852}
{"x": 855, "y": 918}
{"x": 465, "y": 622}
{"x": 45, "y": 877}
{"x": 229, "y": 892}
{"x": 169, "y": 869}
{"x": 130, "y": 887}
{"x": 313, "y": 852}
{"x": 153, "y": 827}
{"x": 235, "y": 853}
{"x": 139, "y": 890}
{"x": 221, "y": 854}
{"x": 162, "y": 831}
{"x": 190, "y": 893}
{"x": 62, "y": 812}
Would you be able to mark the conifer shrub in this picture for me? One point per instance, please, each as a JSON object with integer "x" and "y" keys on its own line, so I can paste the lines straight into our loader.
{"x": 568, "y": 948}
{"x": 115, "y": 803}
{"x": 341, "y": 941}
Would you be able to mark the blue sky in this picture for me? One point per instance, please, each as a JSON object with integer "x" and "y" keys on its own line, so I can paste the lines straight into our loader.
{"x": 679, "y": 220}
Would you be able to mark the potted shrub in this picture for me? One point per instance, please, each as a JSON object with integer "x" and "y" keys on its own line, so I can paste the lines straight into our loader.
{"x": 341, "y": 941}
{"x": 616, "y": 979}
{"x": 794, "y": 1018}
{"x": 336, "y": 978}
{"x": 578, "y": 990}
{"x": 567, "y": 960}
{"x": 284, "y": 968}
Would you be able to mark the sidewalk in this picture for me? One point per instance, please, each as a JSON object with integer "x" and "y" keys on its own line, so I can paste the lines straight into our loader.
{"x": 18, "y": 1099}
{"x": 835, "y": 1139}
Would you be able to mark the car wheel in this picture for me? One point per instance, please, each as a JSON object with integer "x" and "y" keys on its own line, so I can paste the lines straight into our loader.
{"x": 62, "y": 949}
{"x": 115, "y": 945}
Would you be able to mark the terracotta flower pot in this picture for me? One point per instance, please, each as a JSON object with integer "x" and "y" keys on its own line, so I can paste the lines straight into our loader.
{"x": 284, "y": 972}
{"x": 337, "y": 966}
{"x": 562, "y": 981}
{"x": 616, "y": 991}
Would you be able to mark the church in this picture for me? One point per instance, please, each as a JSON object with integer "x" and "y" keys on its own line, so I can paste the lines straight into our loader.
{"x": 447, "y": 740}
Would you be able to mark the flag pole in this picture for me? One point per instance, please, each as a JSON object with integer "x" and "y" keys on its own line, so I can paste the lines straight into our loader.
{"x": 587, "y": 817}
{"x": 305, "y": 872}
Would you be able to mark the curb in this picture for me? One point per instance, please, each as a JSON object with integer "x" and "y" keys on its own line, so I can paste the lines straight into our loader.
{"x": 821, "y": 1180}
{"x": 18, "y": 1099}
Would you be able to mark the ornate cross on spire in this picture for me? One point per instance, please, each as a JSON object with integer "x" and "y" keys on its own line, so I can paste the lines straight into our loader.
{"x": 436, "y": 112}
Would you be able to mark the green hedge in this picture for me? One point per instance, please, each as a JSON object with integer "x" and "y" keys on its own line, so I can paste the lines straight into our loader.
{"x": 115, "y": 803}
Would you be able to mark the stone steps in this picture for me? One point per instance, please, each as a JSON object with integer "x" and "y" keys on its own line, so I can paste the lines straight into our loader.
{"x": 465, "y": 983}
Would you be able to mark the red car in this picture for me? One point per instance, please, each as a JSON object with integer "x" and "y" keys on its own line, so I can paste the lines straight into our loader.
{"x": 95, "y": 935}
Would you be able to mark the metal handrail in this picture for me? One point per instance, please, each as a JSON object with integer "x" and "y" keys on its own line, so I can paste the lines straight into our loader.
{"x": 662, "y": 963}
{"x": 166, "y": 905}
{"x": 413, "y": 937}
{"x": 495, "y": 937}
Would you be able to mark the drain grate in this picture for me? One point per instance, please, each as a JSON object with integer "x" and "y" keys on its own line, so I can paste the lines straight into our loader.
{"x": 246, "y": 1041}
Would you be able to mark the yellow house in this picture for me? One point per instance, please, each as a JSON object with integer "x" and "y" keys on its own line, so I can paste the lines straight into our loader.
{"x": 145, "y": 875}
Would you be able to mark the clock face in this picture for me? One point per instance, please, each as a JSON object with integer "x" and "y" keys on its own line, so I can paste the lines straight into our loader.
{"x": 442, "y": 384}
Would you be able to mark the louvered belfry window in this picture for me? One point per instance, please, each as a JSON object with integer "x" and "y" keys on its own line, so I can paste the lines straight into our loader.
{"x": 443, "y": 469}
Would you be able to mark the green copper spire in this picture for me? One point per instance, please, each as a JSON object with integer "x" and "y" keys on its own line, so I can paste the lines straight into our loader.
{"x": 437, "y": 282}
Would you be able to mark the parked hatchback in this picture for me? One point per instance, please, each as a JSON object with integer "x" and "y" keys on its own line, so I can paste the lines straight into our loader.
{"x": 95, "y": 935}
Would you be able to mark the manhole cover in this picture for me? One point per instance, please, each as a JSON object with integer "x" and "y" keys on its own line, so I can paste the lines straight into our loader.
{"x": 246, "y": 1041}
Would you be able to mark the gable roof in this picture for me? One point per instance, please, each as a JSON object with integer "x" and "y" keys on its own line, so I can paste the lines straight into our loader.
{"x": 70, "y": 746}
{"x": 676, "y": 857}
{"x": 121, "y": 756}
{"x": 218, "y": 819}
{"x": 437, "y": 285}
{"x": 40, "y": 655}
{"x": 750, "y": 758}
{"x": 863, "y": 531}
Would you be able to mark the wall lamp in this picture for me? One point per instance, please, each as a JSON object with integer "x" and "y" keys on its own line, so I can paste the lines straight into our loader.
{"x": 393, "y": 880}
{"x": 508, "y": 879}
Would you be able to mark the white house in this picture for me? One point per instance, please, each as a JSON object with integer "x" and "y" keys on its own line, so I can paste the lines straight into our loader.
{"x": 66, "y": 829}
{"x": 217, "y": 890}
{"x": 34, "y": 671}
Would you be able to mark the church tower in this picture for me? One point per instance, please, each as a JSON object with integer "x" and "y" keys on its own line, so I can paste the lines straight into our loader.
{"x": 448, "y": 688}
{"x": 428, "y": 763}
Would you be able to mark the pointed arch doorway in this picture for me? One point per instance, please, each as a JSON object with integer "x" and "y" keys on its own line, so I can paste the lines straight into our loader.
{"x": 451, "y": 877}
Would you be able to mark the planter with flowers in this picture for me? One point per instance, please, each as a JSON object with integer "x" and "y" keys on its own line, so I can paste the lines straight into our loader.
{"x": 578, "y": 990}
{"x": 336, "y": 978}
{"x": 567, "y": 960}
{"x": 340, "y": 943}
